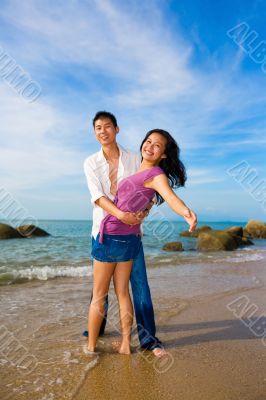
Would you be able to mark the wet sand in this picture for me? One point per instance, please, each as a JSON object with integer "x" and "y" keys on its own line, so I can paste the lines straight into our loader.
{"x": 213, "y": 354}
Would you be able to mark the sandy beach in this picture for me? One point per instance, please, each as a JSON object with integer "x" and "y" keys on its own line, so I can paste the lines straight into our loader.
{"x": 214, "y": 357}
{"x": 143, "y": 119}
{"x": 213, "y": 352}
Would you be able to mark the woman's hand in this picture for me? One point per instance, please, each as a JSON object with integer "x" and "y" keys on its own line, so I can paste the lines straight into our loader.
{"x": 191, "y": 218}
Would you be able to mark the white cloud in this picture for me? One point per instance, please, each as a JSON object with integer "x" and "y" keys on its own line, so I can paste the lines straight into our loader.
{"x": 30, "y": 156}
{"x": 143, "y": 72}
{"x": 153, "y": 66}
{"x": 199, "y": 176}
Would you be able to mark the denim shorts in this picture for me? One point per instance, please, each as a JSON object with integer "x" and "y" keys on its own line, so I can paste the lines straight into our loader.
{"x": 116, "y": 248}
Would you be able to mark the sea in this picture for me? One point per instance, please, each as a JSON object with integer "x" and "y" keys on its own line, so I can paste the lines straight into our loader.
{"x": 66, "y": 252}
{"x": 45, "y": 290}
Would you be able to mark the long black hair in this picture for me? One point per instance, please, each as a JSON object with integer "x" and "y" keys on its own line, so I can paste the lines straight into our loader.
{"x": 172, "y": 166}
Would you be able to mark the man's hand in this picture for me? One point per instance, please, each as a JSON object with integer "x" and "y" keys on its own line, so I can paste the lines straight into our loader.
{"x": 143, "y": 214}
{"x": 129, "y": 218}
{"x": 191, "y": 218}
{"x": 134, "y": 218}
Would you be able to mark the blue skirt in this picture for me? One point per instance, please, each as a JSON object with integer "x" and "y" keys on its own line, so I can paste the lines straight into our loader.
{"x": 116, "y": 248}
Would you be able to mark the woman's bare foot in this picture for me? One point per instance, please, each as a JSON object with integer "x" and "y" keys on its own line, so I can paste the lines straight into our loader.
{"x": 90, "y": 348}
{"x": 89, "y": 352}
{"x": 159, "y": 352}
{"x": 121, "y": 348}
{"x": 124, "y": 349}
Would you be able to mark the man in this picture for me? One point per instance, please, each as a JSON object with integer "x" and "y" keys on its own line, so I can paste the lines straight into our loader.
{"x": 104, "y": 170}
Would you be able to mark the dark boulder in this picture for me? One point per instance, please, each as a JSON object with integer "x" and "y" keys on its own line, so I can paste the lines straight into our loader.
{"x": 255, "y": 229}
{"x": 173, "y": 246}
{"x": 195, "y": 234}
{"x": 246, "y": 241}
{"x": 215, "y": 240}
{"x": 235, "y": 230}
{"x": 31, "y": 231}
{"x": 23, "y": 231}
{"x": 226, "y": 239}
{"x": 7, "y": 232}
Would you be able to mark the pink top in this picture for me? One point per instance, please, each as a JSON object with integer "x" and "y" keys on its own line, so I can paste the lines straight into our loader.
{"x": 131, "y": 196}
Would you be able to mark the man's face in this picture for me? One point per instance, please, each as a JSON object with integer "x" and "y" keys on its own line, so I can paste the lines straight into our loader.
{"x": 105, "y": 131}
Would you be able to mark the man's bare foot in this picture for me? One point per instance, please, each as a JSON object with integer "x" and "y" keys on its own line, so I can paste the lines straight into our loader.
{"x": 159, "y": 352}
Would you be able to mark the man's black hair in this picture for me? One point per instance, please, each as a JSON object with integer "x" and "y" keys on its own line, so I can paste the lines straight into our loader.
{"x": 105, "y": 114}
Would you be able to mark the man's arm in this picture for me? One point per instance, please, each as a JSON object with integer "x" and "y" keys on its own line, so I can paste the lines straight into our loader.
{"x": 107, "y": 205}
{"x": 99, "y": 197}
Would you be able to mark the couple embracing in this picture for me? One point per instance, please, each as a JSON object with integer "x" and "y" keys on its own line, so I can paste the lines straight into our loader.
{"x": 123, "y": 187}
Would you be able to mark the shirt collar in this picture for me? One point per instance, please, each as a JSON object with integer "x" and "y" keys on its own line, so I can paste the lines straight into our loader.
{"x": 100, "y": 156}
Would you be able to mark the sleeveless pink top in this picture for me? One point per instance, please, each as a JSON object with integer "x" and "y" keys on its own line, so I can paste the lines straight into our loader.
{"x": 131, "y": 196}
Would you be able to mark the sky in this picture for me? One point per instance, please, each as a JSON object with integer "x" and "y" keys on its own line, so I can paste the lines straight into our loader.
{"x": 154, "y": 64}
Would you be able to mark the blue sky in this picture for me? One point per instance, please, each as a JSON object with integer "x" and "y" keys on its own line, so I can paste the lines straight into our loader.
{"x": 166, "y": 64}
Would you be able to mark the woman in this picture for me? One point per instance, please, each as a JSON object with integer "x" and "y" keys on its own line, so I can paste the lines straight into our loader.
{"x": 117, "y": 244}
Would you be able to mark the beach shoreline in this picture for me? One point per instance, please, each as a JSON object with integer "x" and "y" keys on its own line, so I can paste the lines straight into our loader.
{"x": 214, "y": 354}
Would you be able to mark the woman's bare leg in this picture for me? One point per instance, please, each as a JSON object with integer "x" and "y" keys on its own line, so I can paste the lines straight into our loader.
{"x": 102, "y": 274}
{"x": 121, "y": 285}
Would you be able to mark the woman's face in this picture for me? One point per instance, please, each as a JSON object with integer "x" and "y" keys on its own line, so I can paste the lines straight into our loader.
{"x": 153, "y": 149}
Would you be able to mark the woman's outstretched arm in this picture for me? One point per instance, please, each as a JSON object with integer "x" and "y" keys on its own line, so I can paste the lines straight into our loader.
{"x": 160, "y": 183}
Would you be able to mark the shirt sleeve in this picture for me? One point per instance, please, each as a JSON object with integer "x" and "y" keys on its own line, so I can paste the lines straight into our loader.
{"x": 138, "y": 161}
{"x": 94, "y": 184}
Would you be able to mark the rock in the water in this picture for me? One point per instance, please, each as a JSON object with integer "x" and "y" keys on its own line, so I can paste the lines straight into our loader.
{"x": 255, "y": 229}
{"x": 173, "y": 246}
{"x": 31, "y": 231}
{"x": 246, "y": 241}
{"x": 235, "y": 230}
{"x": 197, "y": 231}
{"x": 215, "y": 240}
{"x": 23, "y": 231}
{"x": 7, "y": 232}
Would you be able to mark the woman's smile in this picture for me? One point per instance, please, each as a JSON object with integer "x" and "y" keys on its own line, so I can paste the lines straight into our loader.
{"x": 150, "y": 153}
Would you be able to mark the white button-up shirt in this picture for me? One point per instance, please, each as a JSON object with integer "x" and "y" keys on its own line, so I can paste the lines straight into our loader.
{"x": 96, "y": 170}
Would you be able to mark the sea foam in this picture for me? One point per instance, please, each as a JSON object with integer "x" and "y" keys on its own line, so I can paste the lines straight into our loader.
{"x": 44, "y": 273}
